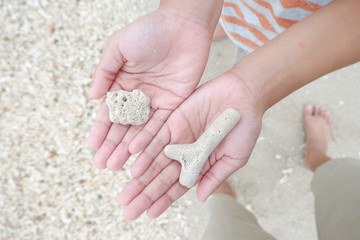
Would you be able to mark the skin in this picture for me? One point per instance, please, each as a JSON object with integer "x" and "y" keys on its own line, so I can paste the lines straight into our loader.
{"x": 330, "y": 36}
{"x": 167, "y": 68}
{"x": 318, "y": 128}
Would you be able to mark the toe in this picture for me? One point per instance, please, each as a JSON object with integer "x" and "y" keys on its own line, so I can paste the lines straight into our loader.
{"x": 308, "y": 110}
{"x": 317, "y": 111}
{"x": 324, "y": 115}
{"x": 327, "y": 117}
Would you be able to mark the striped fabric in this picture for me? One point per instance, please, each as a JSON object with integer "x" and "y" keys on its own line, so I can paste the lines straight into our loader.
{"x": 251, "y": 23}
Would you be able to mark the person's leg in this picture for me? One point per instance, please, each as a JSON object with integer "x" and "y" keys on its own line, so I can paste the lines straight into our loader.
{"x": 230, "y": 220}
{"x": 336, "y": 183}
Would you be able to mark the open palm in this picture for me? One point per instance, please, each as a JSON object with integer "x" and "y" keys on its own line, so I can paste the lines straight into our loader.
{"x": 156, "y": 185}
{"x": 164, "y": 56}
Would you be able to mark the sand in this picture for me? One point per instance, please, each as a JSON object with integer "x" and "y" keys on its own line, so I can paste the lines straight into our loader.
{"x": 48, "y": 186}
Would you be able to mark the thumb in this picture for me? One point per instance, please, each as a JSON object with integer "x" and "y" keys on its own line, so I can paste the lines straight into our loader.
{"x": 110, "y": 64}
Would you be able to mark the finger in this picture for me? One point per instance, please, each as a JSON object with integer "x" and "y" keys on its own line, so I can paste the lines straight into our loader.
{"x": 121, "y": 153}
{"x": 165, "y": 201}
{"x": 109, "y": 66}
{"x": 102, "y": 124}
{"x": 161, "y": 184}
{"x": 111, "y": 142}
{"x": 100, "y": 127}
{"x": 213, "y": 178}
{"x": 136, "y": 186}
{"x": 152, "y": 150}
{"x": 149, "y": 131}
{"x": 208, "y": 164}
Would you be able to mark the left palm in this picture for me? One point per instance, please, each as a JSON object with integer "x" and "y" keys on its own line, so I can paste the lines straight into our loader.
{"x": 158, "y": 187}
{"x": 162, "y": 57}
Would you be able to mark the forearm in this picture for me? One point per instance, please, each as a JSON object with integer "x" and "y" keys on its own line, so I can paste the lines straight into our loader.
{"x": 206, "y": 13}
{"x": 324, "y": 42}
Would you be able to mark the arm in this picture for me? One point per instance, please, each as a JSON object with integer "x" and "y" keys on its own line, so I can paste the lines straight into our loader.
{"x": 203, "y": 12}
{"x": 322, "y": 43}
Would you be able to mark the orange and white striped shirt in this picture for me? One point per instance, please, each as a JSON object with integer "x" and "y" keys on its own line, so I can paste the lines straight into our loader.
{"x": 252, "y": 23}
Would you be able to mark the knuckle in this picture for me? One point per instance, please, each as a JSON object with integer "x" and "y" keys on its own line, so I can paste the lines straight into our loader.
{"x": 102, "y": 123}
{"x": 109, "y": 143}
{"x": 138, "y": 184}
{"x": 212, "y": 177}
{"x": 168, "y": 200}
{"x": 156, "y": 167}
{"x": 147, "y": 199}
{"x": 148, "y": 133}
{"x": 166, "y": 180}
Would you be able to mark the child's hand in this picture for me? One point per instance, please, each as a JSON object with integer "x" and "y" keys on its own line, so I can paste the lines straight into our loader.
{"x": 162, "y": 55}
{"x": 156, "y": 184}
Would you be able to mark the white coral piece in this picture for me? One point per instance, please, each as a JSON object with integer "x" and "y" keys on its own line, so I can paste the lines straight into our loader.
{"x": 193, "y": 156}
{"x": 128, "y": 107}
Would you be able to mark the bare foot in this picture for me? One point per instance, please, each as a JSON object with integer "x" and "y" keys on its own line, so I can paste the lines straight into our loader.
{"x": 317, "y": 126}
{"x": 225, "y": 189}
{"x": 219, "y": 33}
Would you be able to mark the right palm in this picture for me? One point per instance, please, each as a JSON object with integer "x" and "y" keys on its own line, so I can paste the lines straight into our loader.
{"x": 161, "y": 55}
{"x": 158, "y": 187}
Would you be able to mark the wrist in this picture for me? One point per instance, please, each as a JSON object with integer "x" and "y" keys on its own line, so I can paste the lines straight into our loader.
{"x": 269, "y": 79}
{"x": 249, "y": 76}
{"x": 204, "y": 13}
{"x": 248, "y": 88}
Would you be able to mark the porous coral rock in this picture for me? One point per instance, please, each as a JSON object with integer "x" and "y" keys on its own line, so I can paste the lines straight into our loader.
{"x": 128, "y": 107}
{"x": 193, "y": 156}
